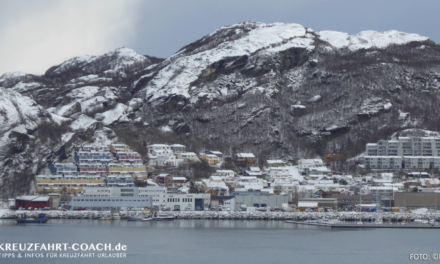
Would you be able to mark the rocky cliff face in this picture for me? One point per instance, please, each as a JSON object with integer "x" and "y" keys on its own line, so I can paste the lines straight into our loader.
{"x": 278, "y": 90}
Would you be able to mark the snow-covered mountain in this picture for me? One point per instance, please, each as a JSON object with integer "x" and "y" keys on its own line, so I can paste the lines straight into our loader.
{"x": 279, "y": 90}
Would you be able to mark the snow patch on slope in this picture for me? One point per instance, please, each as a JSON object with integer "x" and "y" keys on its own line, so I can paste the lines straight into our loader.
{"x": 177, "y": 76}
{"x": 368, "y": 39}
{"x": 113, "y": 115}
{"x": 82, "y": 123}
{"x": 117, "y": 60}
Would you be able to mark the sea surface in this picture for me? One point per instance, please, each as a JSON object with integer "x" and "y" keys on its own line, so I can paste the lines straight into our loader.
{"x": 222, "y": 241}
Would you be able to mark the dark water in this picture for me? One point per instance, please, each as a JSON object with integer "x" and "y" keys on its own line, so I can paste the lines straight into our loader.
{"x": 224, "y": 241}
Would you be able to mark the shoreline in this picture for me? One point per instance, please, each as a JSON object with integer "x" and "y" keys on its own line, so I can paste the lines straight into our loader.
{"x": 281, "y": 216}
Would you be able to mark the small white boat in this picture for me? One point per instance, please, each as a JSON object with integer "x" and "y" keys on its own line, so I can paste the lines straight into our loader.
{"x": 421, "y": 221}
{"x": 116, "y": 216}
{"x": 163, "y": 217}
{"x": 147, "y": 219}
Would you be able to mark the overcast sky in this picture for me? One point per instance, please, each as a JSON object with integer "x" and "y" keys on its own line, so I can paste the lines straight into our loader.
{"x": 35, "y": 35}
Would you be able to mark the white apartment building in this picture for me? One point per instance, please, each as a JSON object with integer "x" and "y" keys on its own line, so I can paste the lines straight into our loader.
{"x": 158, "y": 148}
{"x": 380, "y": 190}
{"x": 178, "y": 148}
{"x": 227, "y": 173}
{"x": 157, "y": 194}
{"x": 187, "y": 156}
{"x": 405, "y": 152}
{"x": 309, "y": 163}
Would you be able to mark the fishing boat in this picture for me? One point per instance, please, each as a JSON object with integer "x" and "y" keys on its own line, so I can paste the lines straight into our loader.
{"x": 42, "y": 219}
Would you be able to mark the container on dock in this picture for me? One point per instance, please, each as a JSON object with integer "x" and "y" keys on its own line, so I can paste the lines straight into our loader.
{"x": 395, "y": 209}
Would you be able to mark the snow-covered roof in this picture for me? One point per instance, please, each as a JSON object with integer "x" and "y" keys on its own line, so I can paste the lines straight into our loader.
{"x": 27, "y": 197}
{"x": 188, "y": 154}
{"x": 245, "y": 155}
{"x": 41, "y": 199}
{"x": 178, "y": 146}
{"x": 216, "y": 178}
{"x": 253, "y": 173}
{"x": 274, "y": 161}
{"x": 225, "y": 171}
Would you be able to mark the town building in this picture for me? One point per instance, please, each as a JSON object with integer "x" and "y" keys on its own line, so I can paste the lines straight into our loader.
{"x": 118, "y": 148}
{"x": 259, "y": 199}
{"x": 157, "y": 194}
{"x": 119, "y": 181}
{"x": 98, "y": 169}
{"x": 310, "y": 163}
{"x": 63, "y": 168}
{"x": 111, "y": 202}
{"x": 226, "y": 203}
{"x": 417, "y": 199}
{"x": 128, "y": 157}
{"x": 215, "y": 186}
{"x": 404, "y": 153}
{"x": 349, "y": 201}
{"x": 211, "y": 159}
{"x": 217, "y": 153}
{"x": 245, "y": 157}
{"x": 321, "y": 202}
{"x": 276, "y": 163}
{"x": 158, "y": 148}
{"x": 30, "y": 201}
{"x": 93, "y": 157}
{"x": 177, "y": 148}
{"x": 162, "y": 158}
{"x": 332, "y": 157}
{"x": 68, "y": 184}
{"x": 188, "y": 202}
{"x": 227, "y": 173}
{"x": 136, "y": 170}
{"x": 187, "y": 156}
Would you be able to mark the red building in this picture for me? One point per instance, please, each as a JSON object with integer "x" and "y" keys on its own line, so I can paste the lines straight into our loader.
{"x": 164, "y": 178}
{"x": 32, "y": 201}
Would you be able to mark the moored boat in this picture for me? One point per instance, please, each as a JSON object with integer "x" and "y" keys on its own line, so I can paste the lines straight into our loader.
{"x": 158, "y": 216}
{"x": 23, "y": 219}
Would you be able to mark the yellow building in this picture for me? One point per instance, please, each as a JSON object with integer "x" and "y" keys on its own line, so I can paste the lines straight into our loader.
{"x": 137, "y": 171}
{"x": 69, "y": 184}
{"x": 118, "y": 148}
{"x": 210, "y": 159}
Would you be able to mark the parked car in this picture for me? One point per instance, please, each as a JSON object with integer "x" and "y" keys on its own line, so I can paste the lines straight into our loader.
{"x": 308, "y": 210}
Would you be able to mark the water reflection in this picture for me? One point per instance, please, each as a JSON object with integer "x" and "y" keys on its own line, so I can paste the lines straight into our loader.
{"x": 225, "y": 241}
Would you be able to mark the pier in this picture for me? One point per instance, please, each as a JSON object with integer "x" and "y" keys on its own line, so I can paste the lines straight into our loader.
{"x": 358, "y": 226}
